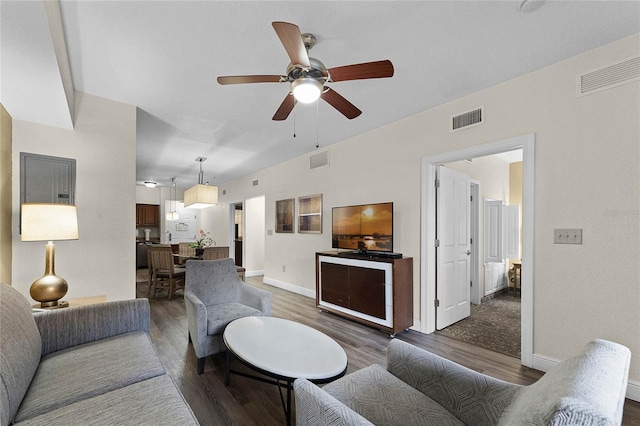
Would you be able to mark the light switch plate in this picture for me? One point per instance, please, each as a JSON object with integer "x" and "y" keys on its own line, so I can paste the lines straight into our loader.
{"x": 567, "y": 236}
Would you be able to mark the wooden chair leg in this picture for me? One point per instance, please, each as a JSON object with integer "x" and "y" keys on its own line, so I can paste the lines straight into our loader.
{"x": 153, "y": 286}
{"x": 201, "y": 365}
{"x": 171, "y": 288}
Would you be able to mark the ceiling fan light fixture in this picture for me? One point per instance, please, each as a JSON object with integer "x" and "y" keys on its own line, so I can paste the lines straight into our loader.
{"x": 306, "y": 89}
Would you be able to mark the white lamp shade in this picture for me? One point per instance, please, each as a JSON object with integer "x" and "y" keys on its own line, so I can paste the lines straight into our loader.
{"x": 173, "y": 216}
{"x": 200, "y": 196}
{"x": 49, "y": 222}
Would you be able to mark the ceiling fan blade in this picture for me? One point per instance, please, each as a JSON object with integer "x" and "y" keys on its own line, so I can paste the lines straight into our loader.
{"x": 291, "y": 39}
{"x": 242, "y": 79}
{"x": 377, "y": 69}
{"x": 340, "y": 103}
{"x": 285, "y": 108}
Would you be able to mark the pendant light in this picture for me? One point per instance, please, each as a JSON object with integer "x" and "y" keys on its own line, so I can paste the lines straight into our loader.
{"x": 173, "y": 201}
{"x": 200, "y": 196}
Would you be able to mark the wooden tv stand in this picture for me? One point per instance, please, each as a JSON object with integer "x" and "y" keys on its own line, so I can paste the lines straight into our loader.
{"x": 372, "y": 290}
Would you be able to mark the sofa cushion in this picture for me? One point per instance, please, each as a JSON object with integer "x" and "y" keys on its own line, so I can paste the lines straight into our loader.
{"x": 383, "y": 399}
{"x": 587, "y": 389}
{"x": 21, "y": 350}
{"x": 156, "y": 402}
{"x": 88, "y": 370}
{"x": 220, "y": 315}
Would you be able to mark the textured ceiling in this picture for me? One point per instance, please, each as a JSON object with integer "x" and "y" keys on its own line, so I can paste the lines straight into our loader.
{"x": 164, "y": 57}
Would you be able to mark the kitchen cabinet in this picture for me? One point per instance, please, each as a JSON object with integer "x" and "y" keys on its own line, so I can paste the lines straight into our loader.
{"x": 372, "y": 290}
{"x": 148, "y": 215}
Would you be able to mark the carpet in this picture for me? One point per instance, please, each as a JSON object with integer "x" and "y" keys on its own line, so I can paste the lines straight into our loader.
{"x": 493, "y": 325}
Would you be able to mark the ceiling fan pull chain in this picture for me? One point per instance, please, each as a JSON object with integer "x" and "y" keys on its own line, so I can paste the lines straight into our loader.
{"x": 294, "y": 123}
{"x": 317, "y": 125}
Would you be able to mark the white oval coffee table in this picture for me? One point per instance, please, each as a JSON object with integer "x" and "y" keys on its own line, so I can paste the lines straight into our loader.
{"x": 284, "y": 350}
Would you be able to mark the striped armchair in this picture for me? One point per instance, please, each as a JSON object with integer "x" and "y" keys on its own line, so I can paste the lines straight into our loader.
{"x": 215, "y": 296}
{"x": 420, "y": 388}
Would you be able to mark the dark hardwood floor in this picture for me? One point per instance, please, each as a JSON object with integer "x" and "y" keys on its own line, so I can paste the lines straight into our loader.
{"x": 249, "y": 402}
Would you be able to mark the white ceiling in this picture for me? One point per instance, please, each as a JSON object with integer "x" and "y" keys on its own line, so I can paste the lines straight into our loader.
{"x": 164, "y": 57}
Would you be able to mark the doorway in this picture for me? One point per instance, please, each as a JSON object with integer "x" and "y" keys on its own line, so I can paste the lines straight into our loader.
{"x": 246, "y": 227}
{"x": 428, "y": 232}
{"x": 236, "y": 211}
{"x": 492, "y": 320}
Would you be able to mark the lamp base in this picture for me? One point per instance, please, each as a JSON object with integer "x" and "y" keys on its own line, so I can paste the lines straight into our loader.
{"x": 50, "y": 288}
{"x": 47, "y": 305}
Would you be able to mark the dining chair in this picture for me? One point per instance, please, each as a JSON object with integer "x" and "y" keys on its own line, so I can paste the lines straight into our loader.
{"x": 165, "y": 273}
{"x": 216, "y": 252}
{"x": 149, "y": 269}
{"x": 220, "y": 252}
{"x": 514, "y": 278}
{"x": 184, "y": 252}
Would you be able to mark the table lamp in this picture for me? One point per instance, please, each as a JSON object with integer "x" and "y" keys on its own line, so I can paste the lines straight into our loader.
{"x": 49, "y": 222}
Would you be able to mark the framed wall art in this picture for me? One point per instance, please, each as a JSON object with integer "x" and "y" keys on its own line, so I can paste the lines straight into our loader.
{"x": 285, "y": 213}
{"x": 310, "y": 214}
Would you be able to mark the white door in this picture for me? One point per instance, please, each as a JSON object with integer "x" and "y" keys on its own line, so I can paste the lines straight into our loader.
{"x": 453, "y": 216}
{"x": 183, "y": 229}
{"x": 493, "y": 243}
{"x": 512, "y": 232}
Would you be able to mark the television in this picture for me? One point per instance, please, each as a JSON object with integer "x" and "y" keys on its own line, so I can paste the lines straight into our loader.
{"x": 363, "y": 228}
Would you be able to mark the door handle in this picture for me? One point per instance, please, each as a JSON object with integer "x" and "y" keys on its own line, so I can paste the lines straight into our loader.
{"x": 468, "y": 252}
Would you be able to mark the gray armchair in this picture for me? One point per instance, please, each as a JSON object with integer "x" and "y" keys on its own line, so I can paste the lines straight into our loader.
{"x": 420, "y": 388}
{"x": 215, "y": 296}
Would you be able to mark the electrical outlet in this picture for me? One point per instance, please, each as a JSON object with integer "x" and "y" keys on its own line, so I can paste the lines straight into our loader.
{"x": 567, "y": 236}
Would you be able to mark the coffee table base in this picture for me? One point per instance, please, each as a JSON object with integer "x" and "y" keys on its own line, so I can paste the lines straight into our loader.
{"x": 288, "y": 381}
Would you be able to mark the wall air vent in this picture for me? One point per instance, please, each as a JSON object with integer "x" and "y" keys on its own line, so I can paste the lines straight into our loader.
{"x": 616, "y": 74}
{"x": 320, "y": 159}
{"x": 255, "y": 182}
{"x": 467, "y": 119}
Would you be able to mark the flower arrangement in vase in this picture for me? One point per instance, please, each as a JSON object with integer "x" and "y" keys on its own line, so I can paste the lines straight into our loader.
{"x": 205, "y": 240}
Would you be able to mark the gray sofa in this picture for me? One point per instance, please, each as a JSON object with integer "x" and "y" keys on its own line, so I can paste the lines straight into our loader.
{"x": 86, "y": 365}
{"x": 420, "y": 388}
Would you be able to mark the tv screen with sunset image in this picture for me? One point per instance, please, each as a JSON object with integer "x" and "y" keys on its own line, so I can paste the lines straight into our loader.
{"x": 367, "y": 227}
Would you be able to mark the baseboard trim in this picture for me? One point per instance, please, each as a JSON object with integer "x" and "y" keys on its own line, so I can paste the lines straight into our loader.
{"x": 633, "y": 390}
{"x": 290, "y": 287}
{"x": 545, "y": 364}
{"x": 257, "y": 273}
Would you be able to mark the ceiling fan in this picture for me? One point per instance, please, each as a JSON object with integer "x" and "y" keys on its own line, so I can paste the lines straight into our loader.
{"x": 308, "y": 76}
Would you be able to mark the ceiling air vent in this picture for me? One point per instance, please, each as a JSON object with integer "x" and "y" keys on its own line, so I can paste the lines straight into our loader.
{"x": 467, "y": 119}
{"x": 614, "y": 75}
{"x": 320, "y": 159}
{"x": 255, "y": 182}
